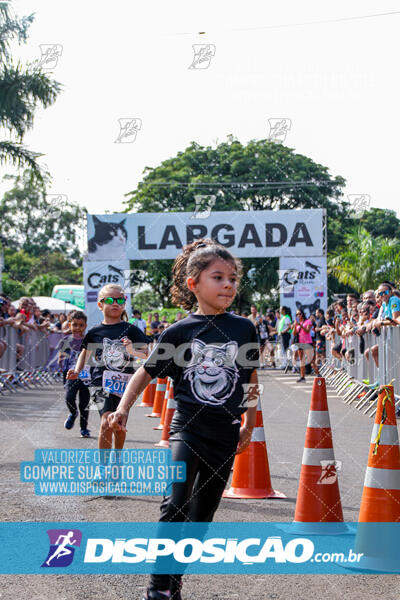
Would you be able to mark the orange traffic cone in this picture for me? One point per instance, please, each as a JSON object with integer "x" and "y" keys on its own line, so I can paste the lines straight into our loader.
{"x": 376, "y": 539}
{"x": 381, "y": 495}
{"x": 171, "y": 405}
{"x": 318, "y": 497}
{"x": 160, "y": 426}
{"x": 159, "y": 398}
{"x": 251, "y": 478}
{"x": 148, "y": 394}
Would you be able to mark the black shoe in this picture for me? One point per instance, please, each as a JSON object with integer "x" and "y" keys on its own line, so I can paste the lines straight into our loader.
{"x": 286, "y": 370}
{"x": 301, "y": 379}
{"x": 155, "y": 595}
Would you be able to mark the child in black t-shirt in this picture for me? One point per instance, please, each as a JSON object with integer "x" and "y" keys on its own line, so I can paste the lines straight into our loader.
{"x": 112, "y": 350}
{"x": 212, "y": 357}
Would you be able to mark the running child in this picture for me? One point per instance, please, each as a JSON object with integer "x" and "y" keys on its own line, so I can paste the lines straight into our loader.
{"x": 112, "y": 342}
{"x": 68, "y": 352}
{"x": 212, "y": 377}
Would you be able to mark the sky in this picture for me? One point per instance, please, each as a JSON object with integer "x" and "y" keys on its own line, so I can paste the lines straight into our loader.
{"x": 332, "y": 75}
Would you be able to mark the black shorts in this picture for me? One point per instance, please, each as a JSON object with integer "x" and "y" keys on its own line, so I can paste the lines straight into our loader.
{"x": 106, "y": 402}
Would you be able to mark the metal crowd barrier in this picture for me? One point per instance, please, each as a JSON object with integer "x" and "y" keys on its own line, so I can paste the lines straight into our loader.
{"x": 32, "y": 370}
{"x": 358, "y": 380}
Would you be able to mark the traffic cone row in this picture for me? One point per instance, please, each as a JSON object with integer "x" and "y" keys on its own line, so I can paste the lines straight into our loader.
{"x": 318, "y": 506}
{"x": 159, "y": 398}
{"x": 170, "y": 405}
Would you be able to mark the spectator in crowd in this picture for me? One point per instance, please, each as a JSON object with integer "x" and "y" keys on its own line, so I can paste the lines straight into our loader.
{"x": 138, "y": 321}
{"x": 283, "y": 328}
{"x": 155, "y": 327}
{"x": 178, "y": 317}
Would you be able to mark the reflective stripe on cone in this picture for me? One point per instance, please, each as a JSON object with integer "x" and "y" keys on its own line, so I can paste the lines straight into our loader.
{"x": 251, "y": 476}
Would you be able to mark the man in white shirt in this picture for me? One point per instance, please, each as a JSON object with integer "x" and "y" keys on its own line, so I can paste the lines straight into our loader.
{"x": 138, "y": 321}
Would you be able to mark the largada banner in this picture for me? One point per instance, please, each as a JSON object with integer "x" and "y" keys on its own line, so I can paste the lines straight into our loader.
{"x": 148, "y": 236}
{"x": 96, "y": 274}
{"x": 303, "y": 283}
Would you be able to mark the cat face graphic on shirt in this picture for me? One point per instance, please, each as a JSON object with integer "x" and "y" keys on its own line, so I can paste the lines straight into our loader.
{"x": 114, "y": 355}
{"x": 212, "y": 371}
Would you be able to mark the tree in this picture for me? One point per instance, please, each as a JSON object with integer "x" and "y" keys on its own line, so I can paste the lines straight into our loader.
{"x": 42, "y": 285}
{"x": 262, "y": 175}
{"x": 364, "y": 260}
{"x": 22, "y": 89}
{"x": 37, "y": 224}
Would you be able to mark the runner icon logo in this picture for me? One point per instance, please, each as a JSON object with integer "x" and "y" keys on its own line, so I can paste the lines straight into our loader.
{"x": 62, "y": 547}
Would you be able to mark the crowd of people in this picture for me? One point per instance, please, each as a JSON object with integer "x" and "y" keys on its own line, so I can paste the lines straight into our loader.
{"x": 303, "y": 338}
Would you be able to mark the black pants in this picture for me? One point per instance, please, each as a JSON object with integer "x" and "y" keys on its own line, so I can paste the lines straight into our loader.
{"x": 73, "y": 387}
{"x": 208, "y": 465}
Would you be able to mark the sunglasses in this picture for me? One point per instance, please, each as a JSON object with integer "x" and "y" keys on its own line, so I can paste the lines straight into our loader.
{"x": 385, "y": 293}
{"x": 110, "y": 300}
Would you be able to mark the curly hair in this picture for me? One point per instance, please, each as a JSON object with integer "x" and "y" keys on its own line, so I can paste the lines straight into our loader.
{"x": 196, "y": 257}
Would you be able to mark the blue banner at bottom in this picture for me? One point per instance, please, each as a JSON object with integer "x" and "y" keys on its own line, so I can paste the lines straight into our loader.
{"x": 239, "y": 548}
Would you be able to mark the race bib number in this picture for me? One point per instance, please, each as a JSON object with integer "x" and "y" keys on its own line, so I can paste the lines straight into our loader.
{"x": 115, "y": 382}
{"x": 84, "y": 375}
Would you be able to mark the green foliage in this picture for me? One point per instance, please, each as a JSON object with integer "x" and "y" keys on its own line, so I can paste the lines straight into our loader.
{"x": 32, "y": 222}
{"x": 22, "y": 90}
{"x": 42, "y": 285}
{"x": 146, "y": 300}
{"x": 365, "y": 260}
{"x": 13, "y": 288}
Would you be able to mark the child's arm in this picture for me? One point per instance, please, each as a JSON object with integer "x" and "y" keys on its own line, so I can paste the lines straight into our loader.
{"x": 80, "y": 363}
{"x": 249, "y": 417}
{"x": 117, "y": 420}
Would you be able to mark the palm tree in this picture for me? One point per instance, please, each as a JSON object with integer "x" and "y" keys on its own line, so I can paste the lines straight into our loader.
{"x": 364, "y": 261}
{"x": 22, "y": 88}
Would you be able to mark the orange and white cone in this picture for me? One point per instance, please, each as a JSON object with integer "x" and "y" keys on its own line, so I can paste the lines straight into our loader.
{"x": 380, "y": 501}
{"x": 318, "y": 497}
{"x": 160, "y": 426}
{"x": 169, "y": 413}
{"x": 376, "y": 536}
{"x": 251, "y": 477}
{"x": 159, "y": 398}
{"x": 149, "y": 394}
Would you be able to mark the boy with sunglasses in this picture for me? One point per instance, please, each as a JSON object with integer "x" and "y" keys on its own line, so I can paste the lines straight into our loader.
{"x": 114, "y": 346}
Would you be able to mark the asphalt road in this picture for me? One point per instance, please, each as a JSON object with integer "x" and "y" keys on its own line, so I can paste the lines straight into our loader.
{"x": 34, "y": 419}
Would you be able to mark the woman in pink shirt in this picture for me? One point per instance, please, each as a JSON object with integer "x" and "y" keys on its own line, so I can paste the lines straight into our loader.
{"x": 302, "y": 329}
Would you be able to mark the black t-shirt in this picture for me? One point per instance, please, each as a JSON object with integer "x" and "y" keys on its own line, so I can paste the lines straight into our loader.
{"x": 108, "y": 351}
{"x": 210, "y": 359}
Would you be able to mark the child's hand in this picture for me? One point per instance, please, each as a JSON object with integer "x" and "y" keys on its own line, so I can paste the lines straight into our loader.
{"x": 244, "y": 439}
{"x": 117, "y": 420}
{"x": 128, "y": 344}
{"x": 72, "y": 374}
